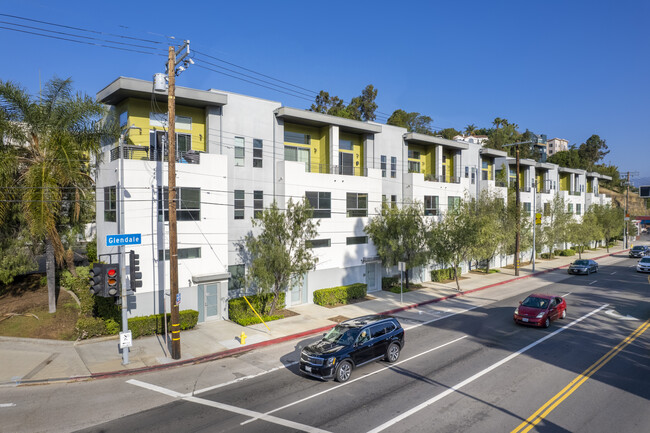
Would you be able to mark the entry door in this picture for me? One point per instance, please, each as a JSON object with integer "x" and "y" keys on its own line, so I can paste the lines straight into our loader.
{"x": 299, "y": 292}
{"x": 346, "y": 163}
{"x": 208, "y": 300}
{"x": 371, "y": 276}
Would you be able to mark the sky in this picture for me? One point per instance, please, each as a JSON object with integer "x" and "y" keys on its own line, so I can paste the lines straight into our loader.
{"x": 567, "y": 69}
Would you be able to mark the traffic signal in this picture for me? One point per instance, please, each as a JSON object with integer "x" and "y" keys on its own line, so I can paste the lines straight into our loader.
{"x": 134, "y": 270}
{"x": 96, "y": 280}
{"x": 112, "y": 275}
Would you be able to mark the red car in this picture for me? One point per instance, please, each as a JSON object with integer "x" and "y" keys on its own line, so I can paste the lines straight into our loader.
{"x": 539, "y": 310}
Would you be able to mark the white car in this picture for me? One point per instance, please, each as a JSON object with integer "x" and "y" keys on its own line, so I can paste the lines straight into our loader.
{"x": 643, "y": 265}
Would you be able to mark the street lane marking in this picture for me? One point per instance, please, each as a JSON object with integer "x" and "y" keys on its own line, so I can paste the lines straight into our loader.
{"x": 7, "y": 404}
{"x": 440, "y": 318}
{"x": 543, "y": 411}
{"x": 359, "y": 378}
{"x": 483, "y": 372}
{"x": 613, "y": 273}
{"x": 228, "y": 408}
{"x": 593, "y": 282}
{"x": 617, "y": 315}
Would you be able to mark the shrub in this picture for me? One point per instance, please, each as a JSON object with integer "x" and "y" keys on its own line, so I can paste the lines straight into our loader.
{"x": 150, "y": 325}
{"x": 388, "y": 282}
{"x": 253, "y": 320}
{"x": 88, "y": 327}
{"x": 557, "y": 252}
{"x": 341, "y": 294}
{"x": 443, "y": 274}
{"x": 239, "y": 311}
{"x": 567, "y": 252}
{"x": 91, "y": 251}
{"x": 545, "y": 255}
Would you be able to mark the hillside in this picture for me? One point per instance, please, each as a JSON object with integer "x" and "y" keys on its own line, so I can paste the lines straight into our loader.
{"x": 636, "y": 204}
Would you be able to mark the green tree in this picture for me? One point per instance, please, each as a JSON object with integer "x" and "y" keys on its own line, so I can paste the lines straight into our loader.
{"x": 491, "y": 227}
{"x": 280, "y": 255}
{"x": 567, "y": 158}
{"x": 582, "y": 233}
{"x": 555, "y": 222}
{"x": 361, "y": 107}
{"x": 470, "y": 129}
{"x": 452, "y": 239}
{"x": 610, "y": 220}
{"x": 592, "y": 151}
{"x": 413, "y": 122}
{"x": 448, "y": 133}
{"x": 399, "y": 235}
{"x": 47, "y": 145}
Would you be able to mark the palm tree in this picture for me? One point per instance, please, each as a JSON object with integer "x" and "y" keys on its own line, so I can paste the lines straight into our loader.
{"x": 470, "y": 129}
{"x": 47, "y": 144}
{"x": 497, "y": 122}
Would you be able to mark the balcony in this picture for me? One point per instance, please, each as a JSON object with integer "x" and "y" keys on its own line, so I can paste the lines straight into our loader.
{"x": 142, "y": 153}
{"x": 544, "y": 191}
{"x": 577, "y": 193}
{"x": 346, "y": 170}
{"x": 441, "y": 178}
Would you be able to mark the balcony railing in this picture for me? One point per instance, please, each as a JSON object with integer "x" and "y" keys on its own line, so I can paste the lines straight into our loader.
{"x": 441, "y": 178}
{"x": 544, "y": 191}
{"x": 346, "y": 170}
{"x": 575, "y": 193}
{"x": 142, "y": 153}
{"x": 500, "y": 184}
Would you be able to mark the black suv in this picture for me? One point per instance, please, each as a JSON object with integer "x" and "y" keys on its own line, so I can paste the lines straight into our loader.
{"x": 351, "y": 344}
{"x": 638, "y": 251}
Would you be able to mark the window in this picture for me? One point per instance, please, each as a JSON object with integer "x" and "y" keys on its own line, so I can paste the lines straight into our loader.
{"x": 578, "y": 208}
{"x": 484, "y": 170}
{"x": 547, "y": 209}
{"x": 570, "y": 208}
{"x": 473, "y": 176}
{"x": 239, "y": 204}
{"x": 319, "y": 243}
{"x": 413, "y": 154}
{"x": 383, "y": 166}
{"x": 188, "y": 204}
{"x": 110, "y": 204}
{"x": 393, "y": 166}
{"x": 466, "y": 172}
{"x": 356, "y": 240}
{"x": 384, "y": 200}
{"x": 239, "y": 151}
{"x": 452, "y": 202}
{"x": 258, "y": 146}
{"x": 183, "y": 253}
{"x": 258, "y": 204}
{"x": 430, "y": 205}
{"x": 321, "y": 202}
{"x": 296, "y": 137}
{"x": 357, "y": 204}
{"x": 237, "y": 273}
{"x": 345, "y": 145}
{"x": 527, "y": 207}
{"x": 393, "y": 201}
{"x": 183, "y": 143}
{"x": 298, "y": 154}
{"x": 124, "y": 118}
{"x": 414, "y": 166}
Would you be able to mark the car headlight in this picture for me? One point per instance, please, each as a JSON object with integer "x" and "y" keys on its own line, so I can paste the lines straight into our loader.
{"x": 540, "y": 315}
{"x": 330, "y": 361}
{"x": 516, "y": 310}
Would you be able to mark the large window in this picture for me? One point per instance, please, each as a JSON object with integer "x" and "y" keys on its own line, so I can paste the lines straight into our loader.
{"x": 414, "y": 166}
{"x": 321, "y": 202}
{"x": 183, "y": 143}
{"x": 296, "y": 137}
{"x": 570, "y": 208}
{"x": 237, "y": 276}
{"x": 393, "y": 201}
{"x": 452, "y": 202}
{"x": 319, "y": 243}
{"x": 258, "y": 147}
{"x": 346, "y": 145}
{"x": 183, "y": 253}
{"x": 431, "y": 205}
{"x": 239, "y": 152}
{"x": 485, "y": 173}
{"x": 383, "y": 166}
{"x": 356, "y": 240}
{"x": 110, "y": 204}
{"x": 188, "y": 204}
{"x": 258, "y": 204}
{"x": 240, "y": 201}
{"x": 413, "y": 154}
{"x": 527, "y": 207}
{"x": 298, "y": 154}
{"x": 357, "y": 204}
{"x": 578, "y": 208}
{"x": 393, "y": 166}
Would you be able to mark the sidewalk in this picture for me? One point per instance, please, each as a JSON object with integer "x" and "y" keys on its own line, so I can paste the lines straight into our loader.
{"x": 29, "y": 361}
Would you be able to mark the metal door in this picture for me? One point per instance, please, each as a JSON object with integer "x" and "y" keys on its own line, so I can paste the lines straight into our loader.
{"x": 371, "y": 276}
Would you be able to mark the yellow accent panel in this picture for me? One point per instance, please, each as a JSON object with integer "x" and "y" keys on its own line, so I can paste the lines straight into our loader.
{"x": 138, "y": 115}
{"x": 429, "y": 161}
{"x": 424, "y": 165}
{"x": 564, "y": 182}
{"x": 318, "y": 145}
{"x": 490, "y": 170}
{"x": 590, "y": 185}
{"x": 540, "y": 181}
{"x": 357, "y": 150}
{"x": 449, "y": 164}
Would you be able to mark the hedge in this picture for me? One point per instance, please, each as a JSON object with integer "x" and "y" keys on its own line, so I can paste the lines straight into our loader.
{"x": 388, "y": 282}
{"x": 239, "y": 311}
{"x": 340, "y": 294}
{"x": 88, "y": 327}
{"x": 444, "y": 274}
{"x": 567, "y": 252}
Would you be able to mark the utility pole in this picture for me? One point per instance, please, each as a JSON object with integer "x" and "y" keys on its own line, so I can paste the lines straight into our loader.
{"x": 171, "y": 161}
{"x": 626, "y": 217}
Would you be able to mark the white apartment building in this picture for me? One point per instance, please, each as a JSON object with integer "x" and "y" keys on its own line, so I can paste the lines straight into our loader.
{"x": 236, "y": 154}
{"x": 555, "y": 145}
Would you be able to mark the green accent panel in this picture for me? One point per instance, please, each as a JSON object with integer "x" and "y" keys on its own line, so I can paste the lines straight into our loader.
{"x": 564, "y": 182}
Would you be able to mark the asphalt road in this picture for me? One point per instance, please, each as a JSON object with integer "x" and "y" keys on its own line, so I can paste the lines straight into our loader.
{"x": 466, "y": 367}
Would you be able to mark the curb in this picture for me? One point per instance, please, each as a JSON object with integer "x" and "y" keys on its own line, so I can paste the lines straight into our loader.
{"x": 247, "y": 348}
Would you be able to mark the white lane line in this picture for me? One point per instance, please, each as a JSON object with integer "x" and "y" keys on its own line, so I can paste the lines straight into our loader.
{"x": 229, "y": 408}
{"x": 7, "y": 404}
{"x": 566, "y": 294}
{"x": 359, "y": 378}
{"x": 478, "y": 375}
{"x": 440, "y": 318}
{"x": 593, "y": 282}
{"x": 240, "y": 379}
{"x": 612, "y": 273}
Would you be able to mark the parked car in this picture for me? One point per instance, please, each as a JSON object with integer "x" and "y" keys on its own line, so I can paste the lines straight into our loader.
{"x": 583, "y": 267}
{"x": 638, "y": 251}
{"x": 539, "y": 310}
{"x": 351, "y": 344}
{"x": 643, "y": 265}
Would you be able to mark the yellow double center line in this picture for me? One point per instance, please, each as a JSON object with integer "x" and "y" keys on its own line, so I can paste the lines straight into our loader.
{"x": 543, "y": 411}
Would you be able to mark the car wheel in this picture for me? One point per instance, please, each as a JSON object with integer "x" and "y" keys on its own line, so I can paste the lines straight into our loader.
{"x": 393, "y": 352}
{"x": 563, "y": 314}
{"x": 547, "y": 322}
{"x": 343, "y": 371}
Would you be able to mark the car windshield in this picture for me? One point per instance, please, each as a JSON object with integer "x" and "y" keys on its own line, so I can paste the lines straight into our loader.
{"x": 534, "y": 302}
{"x": 645, "y": 260}
{"x": 581, "y": 263}
{"x": 638, "y": 248}
{"x": 342, "y": 335}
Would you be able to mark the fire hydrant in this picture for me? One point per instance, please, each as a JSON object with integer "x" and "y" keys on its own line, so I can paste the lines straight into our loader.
{"x": 242, "y": 338}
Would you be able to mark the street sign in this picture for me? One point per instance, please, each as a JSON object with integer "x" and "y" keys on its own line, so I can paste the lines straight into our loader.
{"x": 401, "y": 266}
{"x": 178, "y": 299}
{"x": 644, "y": 191}
{"x": 132, "y": 239}
{"x": 125, "y": 339}
{"x": 538, "y": 218}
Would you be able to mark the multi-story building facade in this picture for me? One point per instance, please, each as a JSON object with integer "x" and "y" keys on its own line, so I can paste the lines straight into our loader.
{"x": 555, "y": 145}
{"x": 237, "y": 154}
